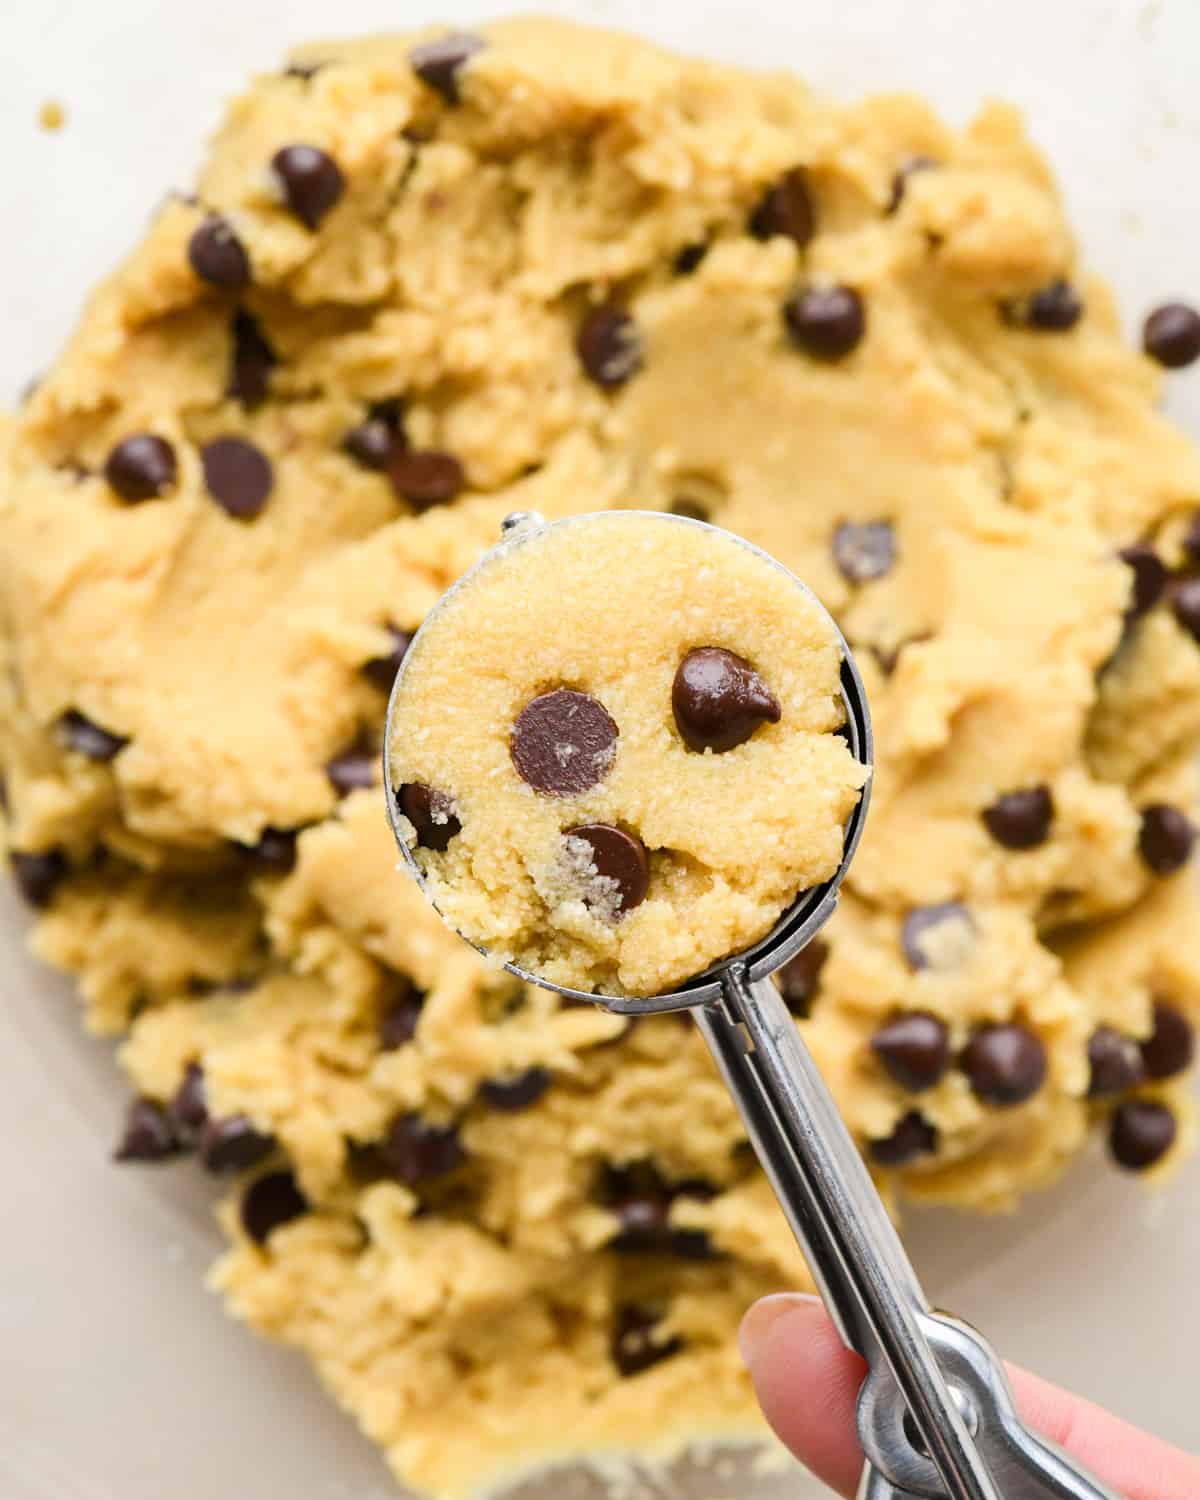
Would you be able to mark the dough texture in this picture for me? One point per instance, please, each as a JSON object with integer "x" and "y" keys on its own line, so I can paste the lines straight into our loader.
{"x": 417, "y": 290}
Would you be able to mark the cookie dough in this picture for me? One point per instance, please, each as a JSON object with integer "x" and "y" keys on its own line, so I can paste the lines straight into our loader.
{"x": 423, "y": 283}
{"x": 613, "y": 748}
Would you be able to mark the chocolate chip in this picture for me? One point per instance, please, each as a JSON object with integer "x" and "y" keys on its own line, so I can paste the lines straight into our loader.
{"x": 922, "y": 921}
{"x": 864, "y": 550}
{"x": 636, "y": 1343}
{"x": 252, "y": 363}
{"x": 217, "y": 255}
{"x": 786, "y": 209}
{"x": 516, "y": 1092}
{"x": 682, "y": 505}
{"x": 913, "y": 1136}
{"x": 1149, "y": 578}
{"x": 1115, "y": 1062}
{"x": 1165, "y": 839}
{"x": 238, "y": 476}
{"x": 1054, "y": 308}
{"x": 1005, "y": 1064}
{"x": 381, "y": 670}
{"x": 914, "y": 1048}
{"x": 148, "y": 1135}
{"x": 799, "y": 978}
{"x": 38, "y": 876}
{"x": 1021, "y": 820}
{"x": 618, "y": 857}
{"x": 426, "y": 477}
{"x": 398, "y": 1023}
{"x": 690, "y": 257}
{"x": 371, "y": 444}
{"x": 643, "y": 1225}
{"x": 1185, "y": 602}
{"x": 415, "y": 1151}
{"x": 563, "y": 743}
{"x": 719, "y": 700}
{"x": 232, "y": 1144}
{"x": 88, "y": 739}
{"x": 438, "y": 63}
{"x": 1141, "y": 1133}
{"x": 269, "y": 1203}
{"x": 691, "y": 1244}
{"x": 353, "y": 770}
{"x": 1170, "y": 1047}
{"x": 275, "y": 850}
{"x": 304, "y": 71}
{"x": 189, "y": 1105}
{"x": 826, "y": 322}
{"x": 311, "y": 181}
{"x": 904, "y": 171}
{"x": 431, "y": 813}
{"x": 1191, "y": 537}
{"x": 141, "y": 467}
{"x": 609, "y": 345}
{"x": 1171, "y": 335}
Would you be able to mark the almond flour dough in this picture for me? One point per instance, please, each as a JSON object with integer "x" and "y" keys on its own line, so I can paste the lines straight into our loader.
{"x": 417, "y": 290}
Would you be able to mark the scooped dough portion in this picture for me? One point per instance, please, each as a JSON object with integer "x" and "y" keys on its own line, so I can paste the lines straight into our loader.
{"x": 614, "y": 748}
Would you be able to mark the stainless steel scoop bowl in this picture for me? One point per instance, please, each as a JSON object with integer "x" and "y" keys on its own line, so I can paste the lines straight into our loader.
{"x": 935, "y": 1413}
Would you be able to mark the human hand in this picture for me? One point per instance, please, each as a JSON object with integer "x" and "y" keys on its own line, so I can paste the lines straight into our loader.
{"x": 807, "y": 1383}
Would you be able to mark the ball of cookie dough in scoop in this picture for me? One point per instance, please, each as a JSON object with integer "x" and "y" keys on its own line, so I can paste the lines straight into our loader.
{"x": 614, "y": 750}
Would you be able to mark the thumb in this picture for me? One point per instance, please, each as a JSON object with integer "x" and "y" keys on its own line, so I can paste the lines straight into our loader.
{"x": 807, "y": 1383}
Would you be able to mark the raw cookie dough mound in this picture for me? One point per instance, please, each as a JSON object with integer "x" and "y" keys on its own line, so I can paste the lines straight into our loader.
{"x": 613, "y": 748}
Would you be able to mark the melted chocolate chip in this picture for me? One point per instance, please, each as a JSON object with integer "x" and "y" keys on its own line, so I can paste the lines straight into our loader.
{"x": 826, "y": 322}
{"x": 38, "y": 876}
{"x": 233, "y": 1144}
{"x": 636, "y": 1341}
{"x": 141, "y": 467}
{"x": 148, "y": 1134}
{"x": 1166, "y": 838}
{"x": 719, "y": 700}
{"x": 1149, "y": 578}
{"x": 913, "y": 1137}
{"x": 618, "y": 857}
{"x": 904, "y": 171}
{"x": 415, "y": 1151}
{"x": 1141, "y": 1133}
{"x": 269, "y": 1203}
{"x": 516, "y": 1092}
{"x": 563, "y": 743}
{"x": 1021, "y": 820}
{"x": 609, "y": 345}
{"x": 786, "y": 209}
{"x": 1115, "y": 1062}
{"x": 353, "y": 770}
{"x": 1171, "y": 1046}
{"x": 689, "y": 258}
{"x": 438, "y": 63}
{"x": 238, "y": 476}
{"x": 311, "y": 182}
{"x": 431, "y": 813}
{"x": 398, "y": 1023}
{"x": 275, "y": 851}
{"x": 85, "y": 738}
{"x": 915, "y": 1050}
{"x": 1005, "y": 1064}
{"x": 189, "y": 1105}
{"x": 920, "y": 923}
{"x": 800, "y": 977}
{"x": 381, "y": 671}
{"x": 1171, "y": 335}
{"x": 217, "y": 255}
{"x": 1055, "y": 308}
{"x": 864, "y": 550}
{"x": 426, "y": 476}
{"x": 252, "y": 362}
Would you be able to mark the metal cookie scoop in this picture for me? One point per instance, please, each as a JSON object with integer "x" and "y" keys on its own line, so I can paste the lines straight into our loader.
{"x": 935, "y": 1415}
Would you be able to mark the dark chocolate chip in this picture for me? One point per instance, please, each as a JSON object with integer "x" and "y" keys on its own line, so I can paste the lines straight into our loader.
{"x": 826, "y": 322}
{"x": 914, "y": 1048}
{"x": 694, "y": 510}
{"x": 217, "y": 255}
{"x": 88, "y": 739}
{"x": 800, "y": 977}
{"x": 381, "y": 670}
{"x": 643, "y": 1226}
{"x": 1185, "y": 602}
{"x": 904, "y": 171}
{"x": 269, "y": 1203}
{"x": 371, "y": 444}
{"x": 233, "y": 1144}
{"x": 252, "y": 362}
{"x": 141, "y": 467}
{"x": 431, "y": 813}
{"x": 1149, "y": 578}
{"x": 864, "y": 550}
{"x": 275, "y": 850}
{"x": 1165, "y": 839}
{"x": 618, "y": 857}
{"x": 398, "y": 1023}
{"x": 1141, "y": 1133}
{"x": 149, "y": 1134}
{"x": 439, "y": 62}
{"x": 355, "y": 769}
{"x": 921, "y": 921}
{"x": 1021, "y": 820}
{"x": 311, "y": 181}
{"x": 1054, "y": 308}
{"x": 1191, "y": 537}
{"x": 786, "y": 209}
{"x": 38, "y": 876}
{"x": 517, "y": 1091}
{"x": 426, "y": 476}
{"x": 237, "y": 475}
{"x": 690, "y": 257}
{"x": 1171, "y": 335}
{"x": 719, "y": 700}
{"x": 563, "y": 743}
{"x": 1171, "y": 1046}
{"x": 913, "y": 1137}
{"x": 1005, "y": 1064}
{"x": 189, "y": 1105}
{"x": 415, "y": 1151}
{"x": 1115, "y": 1062}
{"x": 609, "y": 345}
{"x": 636, "y": 1343}
{"x": 691, "y": 1244}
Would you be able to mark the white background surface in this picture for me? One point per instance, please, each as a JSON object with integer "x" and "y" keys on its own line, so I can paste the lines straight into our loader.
{"x": 119, "y": 1379}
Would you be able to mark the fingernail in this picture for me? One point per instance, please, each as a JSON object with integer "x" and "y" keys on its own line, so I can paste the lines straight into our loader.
{"x": 763, "y": 1316}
